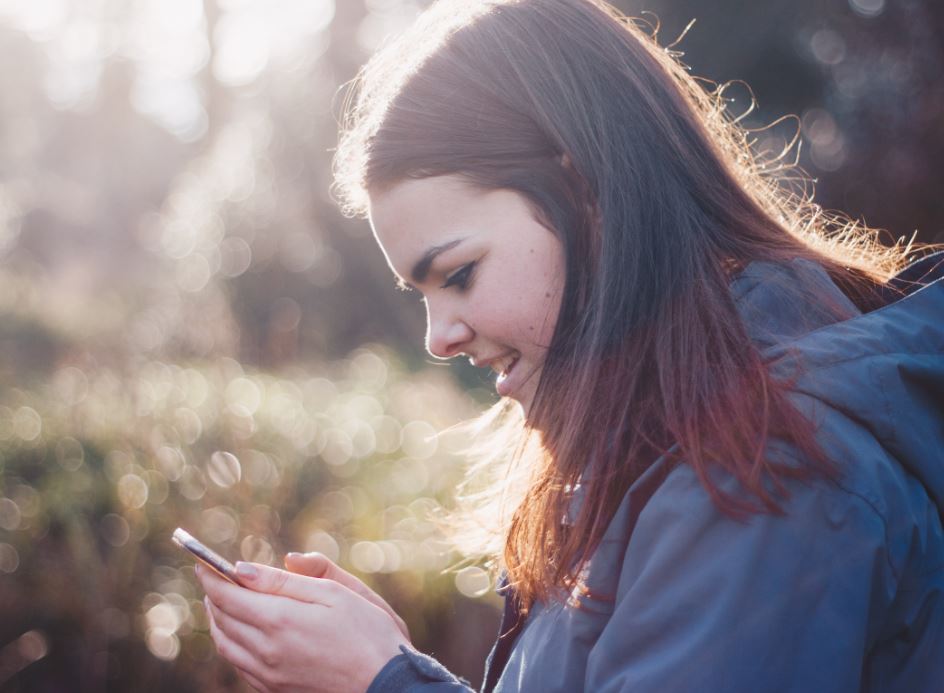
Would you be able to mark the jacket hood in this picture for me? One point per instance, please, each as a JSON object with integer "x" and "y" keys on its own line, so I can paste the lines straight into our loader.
{"x": 883, "y": 369}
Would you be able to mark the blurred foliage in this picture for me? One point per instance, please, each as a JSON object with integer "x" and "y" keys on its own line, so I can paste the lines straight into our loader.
{"x": 191, "y": 335}
{"x": 99, "y": 467}
{"x": 862, "y": 77}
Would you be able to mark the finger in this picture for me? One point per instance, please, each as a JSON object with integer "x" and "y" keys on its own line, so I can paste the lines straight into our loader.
{"x": 218, "y": 636}
{"x": 248, "y": 606}
{"x": 246, "y": 635}
{"x": 314, "y": 564}
{"x": 268, "y": 580}
{"x": 255, "y": 683}
{"x": 221, "y": 591}
{"x": 318, "y": 565}
{"x": 234, "y": 653}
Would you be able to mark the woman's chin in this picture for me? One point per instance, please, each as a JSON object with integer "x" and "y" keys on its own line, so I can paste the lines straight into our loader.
{"x": 524, "y": 397}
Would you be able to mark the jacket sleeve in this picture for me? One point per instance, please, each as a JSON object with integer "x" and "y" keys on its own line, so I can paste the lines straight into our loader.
{"x": 413, "y": 672}
{"x": 774, "y": 603}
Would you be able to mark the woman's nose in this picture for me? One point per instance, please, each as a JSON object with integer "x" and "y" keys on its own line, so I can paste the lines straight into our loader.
{"x": 446, "y": 335}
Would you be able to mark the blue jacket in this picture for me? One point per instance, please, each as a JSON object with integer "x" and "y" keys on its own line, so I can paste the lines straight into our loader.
{"x": 844, "y": 593}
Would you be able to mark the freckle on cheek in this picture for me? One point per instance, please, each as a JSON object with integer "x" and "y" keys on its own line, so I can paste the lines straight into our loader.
{"x": 547, "y": 295}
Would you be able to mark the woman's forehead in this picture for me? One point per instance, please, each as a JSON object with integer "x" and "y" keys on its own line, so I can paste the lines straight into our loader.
{"x": 420, "y": 213}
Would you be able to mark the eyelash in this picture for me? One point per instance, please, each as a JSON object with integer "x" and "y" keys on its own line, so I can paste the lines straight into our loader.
{"x": 460, "y": 278}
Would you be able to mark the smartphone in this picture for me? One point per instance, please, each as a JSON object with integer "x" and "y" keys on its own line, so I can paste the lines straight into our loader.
{"x": 206, "y": 555}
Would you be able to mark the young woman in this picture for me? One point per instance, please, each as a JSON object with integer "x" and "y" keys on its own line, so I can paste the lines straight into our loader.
{"x": 725, "y": 465}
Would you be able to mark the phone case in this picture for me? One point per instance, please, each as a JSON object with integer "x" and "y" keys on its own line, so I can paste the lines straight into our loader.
{"x": 206, "y": 555}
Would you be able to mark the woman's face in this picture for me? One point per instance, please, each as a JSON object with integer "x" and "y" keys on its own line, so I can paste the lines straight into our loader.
{"x": 491, "y": 276}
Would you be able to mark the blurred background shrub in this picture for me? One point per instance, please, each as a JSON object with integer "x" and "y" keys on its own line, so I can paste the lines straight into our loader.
{"x": 191, "y": 335}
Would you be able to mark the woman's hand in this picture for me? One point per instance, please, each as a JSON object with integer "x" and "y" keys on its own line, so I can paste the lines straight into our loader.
{"x": 317, "y": 565}
{"x": 291, "y": 632}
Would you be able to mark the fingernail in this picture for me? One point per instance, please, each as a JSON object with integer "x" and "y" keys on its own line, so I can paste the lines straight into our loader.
{"x": 246, "y": 570}
{"x": 293, "y": 555}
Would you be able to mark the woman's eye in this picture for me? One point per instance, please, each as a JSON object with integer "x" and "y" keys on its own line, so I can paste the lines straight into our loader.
{"x": 460, "y": 277}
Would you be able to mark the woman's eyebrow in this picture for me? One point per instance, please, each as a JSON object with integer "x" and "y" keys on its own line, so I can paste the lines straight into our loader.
{"x": 421, "y": 268}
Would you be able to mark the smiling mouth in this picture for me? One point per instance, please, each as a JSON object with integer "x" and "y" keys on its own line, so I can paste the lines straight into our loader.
{"x": 502, "y": 384}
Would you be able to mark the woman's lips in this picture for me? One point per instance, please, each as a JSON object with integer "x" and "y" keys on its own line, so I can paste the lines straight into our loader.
{"x": 505, "y": 384}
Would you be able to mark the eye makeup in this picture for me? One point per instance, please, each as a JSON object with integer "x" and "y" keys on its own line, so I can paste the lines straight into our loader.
{"x": 461, "y": 277}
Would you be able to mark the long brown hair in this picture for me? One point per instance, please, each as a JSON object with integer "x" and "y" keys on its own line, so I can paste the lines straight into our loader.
{"x": 658, "y": 200}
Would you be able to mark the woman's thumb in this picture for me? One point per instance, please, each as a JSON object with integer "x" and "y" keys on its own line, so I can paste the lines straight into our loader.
{"x": 313, "y": 564}
{"x": 318, "y": 565}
